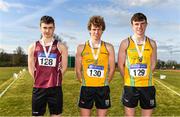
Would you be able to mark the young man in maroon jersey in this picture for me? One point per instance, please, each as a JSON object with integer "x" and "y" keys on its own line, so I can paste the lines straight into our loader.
{"x": 47, "y": 62}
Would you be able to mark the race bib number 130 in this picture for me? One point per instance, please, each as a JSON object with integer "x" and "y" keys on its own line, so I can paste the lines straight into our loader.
{"x": 95, "y": 71}
{"x": 138, "y": 70}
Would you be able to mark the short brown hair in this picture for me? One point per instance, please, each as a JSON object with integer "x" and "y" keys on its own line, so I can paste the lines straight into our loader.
{"x": 47, "y": 20}
{"x": 138, "y": 17}
{"x": 97, "y": 21}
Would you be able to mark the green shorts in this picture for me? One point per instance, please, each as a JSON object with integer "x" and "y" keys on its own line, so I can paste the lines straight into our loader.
{"x": 98, "y": 95}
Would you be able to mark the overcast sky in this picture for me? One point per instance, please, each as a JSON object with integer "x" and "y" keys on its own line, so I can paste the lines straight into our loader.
{"x": 19, "y": 22}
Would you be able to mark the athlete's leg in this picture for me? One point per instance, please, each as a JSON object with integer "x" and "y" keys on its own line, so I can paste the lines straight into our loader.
{"x": 39, "y": 102}
{"x": 86, "y": 101}
{"x": 85, "y": 112}
{"x": 102, "y": 100}
{"x": 101, "y": 112}
{"x": 56, "y": 115}
{"x": 130, "y": 100}
{"x": 146, "y": 112}
{"x": 129, "y": 111}
{"x": 147, "y": 101}
{"x": 55, "y": 101}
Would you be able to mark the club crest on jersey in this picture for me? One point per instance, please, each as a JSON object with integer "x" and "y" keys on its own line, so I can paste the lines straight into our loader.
{"x": 38, "y": 48}
{"x": 53, "y": 47}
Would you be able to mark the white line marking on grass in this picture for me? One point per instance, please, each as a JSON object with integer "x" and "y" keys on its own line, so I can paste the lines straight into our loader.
{"x": 15, "y": 76}
{"x": 167, "y": 87}
{"x": 7, "y": 88}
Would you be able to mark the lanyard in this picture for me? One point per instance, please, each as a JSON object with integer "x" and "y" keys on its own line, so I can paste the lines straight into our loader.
{"x": 95, "y": 56}
{"x": 44, "y": 48}
{"x": 140, "y": 53}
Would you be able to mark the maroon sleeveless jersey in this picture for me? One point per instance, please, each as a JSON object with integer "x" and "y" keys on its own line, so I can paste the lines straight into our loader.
{"x": 47, "y": 70}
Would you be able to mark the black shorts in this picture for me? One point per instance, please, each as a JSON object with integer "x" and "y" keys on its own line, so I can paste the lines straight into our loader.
{"x": 42, "y": 96}
{"x": 146, "y": 96}
{"x": 99, "y": 95}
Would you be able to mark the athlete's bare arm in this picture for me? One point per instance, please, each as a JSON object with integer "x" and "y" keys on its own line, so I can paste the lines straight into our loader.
{"x": 154, "y": 55}
{"x": 111, "y": 61}
{"x": 31, "y": 63}
{"x": 64, "y": 52}
{"x": 78, "y": 62}
{"x": 122, "y": 56}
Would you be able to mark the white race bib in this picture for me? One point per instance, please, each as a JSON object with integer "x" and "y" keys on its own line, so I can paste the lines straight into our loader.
{"x": 50, "y": 61}
{"x": 95, "y": 71}
{"x": 138, "y": 70}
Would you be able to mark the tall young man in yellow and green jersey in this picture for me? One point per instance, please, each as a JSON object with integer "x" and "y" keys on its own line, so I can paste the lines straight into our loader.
{"x": 136, "y": 60}
{"x": 95, "y": 65}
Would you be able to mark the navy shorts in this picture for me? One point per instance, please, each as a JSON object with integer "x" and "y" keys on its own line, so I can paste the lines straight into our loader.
{"x": 145, "y": 95}
{"x": 98, "y": 95}
{"x": 42, "y": 96}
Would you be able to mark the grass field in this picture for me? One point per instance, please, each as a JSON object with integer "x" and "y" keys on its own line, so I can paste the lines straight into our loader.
{"x": 6, "y": 74}
{"x": 17, "y": 100}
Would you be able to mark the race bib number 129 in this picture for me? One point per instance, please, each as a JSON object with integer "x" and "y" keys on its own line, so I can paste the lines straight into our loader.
{"x": 138, "y": 70}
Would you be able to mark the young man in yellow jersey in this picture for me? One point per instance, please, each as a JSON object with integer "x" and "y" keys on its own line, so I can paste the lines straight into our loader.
{"x": 95, "y": 65}
{"x": 136, "y": 60}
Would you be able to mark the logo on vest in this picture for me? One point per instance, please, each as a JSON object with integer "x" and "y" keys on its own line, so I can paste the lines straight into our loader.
{"x": 107, "y": 102}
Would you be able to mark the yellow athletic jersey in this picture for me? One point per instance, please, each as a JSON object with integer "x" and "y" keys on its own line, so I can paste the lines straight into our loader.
{"x": 138, "y": 73}
{"x": 95, "y": 72}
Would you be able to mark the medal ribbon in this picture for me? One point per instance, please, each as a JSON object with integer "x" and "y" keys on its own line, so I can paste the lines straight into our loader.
{"x": 49, "y": 49}
{"x": 95, "y": 56}
{"x": 140, "y": 53}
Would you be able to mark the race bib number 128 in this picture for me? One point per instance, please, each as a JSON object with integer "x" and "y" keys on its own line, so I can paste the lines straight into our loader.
{"x": 50, "y": 61}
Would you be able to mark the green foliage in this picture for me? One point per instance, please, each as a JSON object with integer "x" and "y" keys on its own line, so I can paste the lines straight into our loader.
{"x": 17, "y": 101}
{"x": 170, "y": 64}
{"x": 71, "y": 61}
{"x": 4, "y": 58}
{"x": 17, "y": 59}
